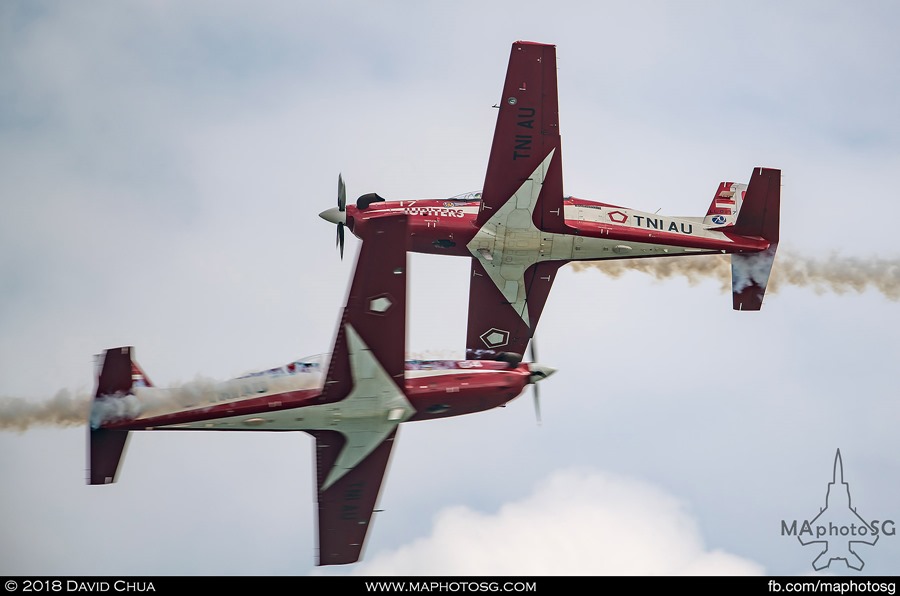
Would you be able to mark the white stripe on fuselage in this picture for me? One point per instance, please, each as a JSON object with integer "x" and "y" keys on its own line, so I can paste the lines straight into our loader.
{"x": 369, "y": 413}
{"x": 509, "y": 242}
{"x": 150, "y": 402}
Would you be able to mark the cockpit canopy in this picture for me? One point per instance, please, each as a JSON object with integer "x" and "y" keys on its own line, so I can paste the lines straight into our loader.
{"x": 474, "y": 195}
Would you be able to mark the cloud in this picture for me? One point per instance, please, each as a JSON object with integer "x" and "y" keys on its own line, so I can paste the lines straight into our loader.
{"x": 579, "y": 522}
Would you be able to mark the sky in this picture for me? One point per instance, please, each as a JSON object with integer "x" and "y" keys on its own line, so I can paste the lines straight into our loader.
{"x": 162, "y": 167}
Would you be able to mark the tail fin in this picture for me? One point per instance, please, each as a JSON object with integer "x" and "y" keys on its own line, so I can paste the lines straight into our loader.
{"x": 725, "y": 204}
{"x": 758, "y": 217}
{"x": 118, "y": 375}
{"x": 759, "y": 213}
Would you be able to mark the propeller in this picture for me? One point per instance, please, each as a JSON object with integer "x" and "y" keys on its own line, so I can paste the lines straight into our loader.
{"x": 537, "y": 395}
{"x": 539, "y": 372}
{"x": 338, "y": 215}
{"x": 342, "y": 207}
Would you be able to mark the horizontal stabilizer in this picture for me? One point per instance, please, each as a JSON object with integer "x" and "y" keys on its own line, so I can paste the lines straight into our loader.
{"x": 750, "y": 276}
{"x": 118, "y": 374}
{"x": 758, "y": 217}
{"x": 115, "y": 374}
{"x": 760, "y": 210}
{"x": 105, "y": 449}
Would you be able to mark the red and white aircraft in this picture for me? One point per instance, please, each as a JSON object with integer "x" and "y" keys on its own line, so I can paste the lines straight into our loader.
{"x": 521, "y": 228}
{"x": 354, "y": 414}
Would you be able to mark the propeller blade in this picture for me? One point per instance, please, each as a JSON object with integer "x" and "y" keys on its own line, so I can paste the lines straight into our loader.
{"x": 532, "y": 348}
{"x": 342, "y": 194}
{"x": 340, "y": 238}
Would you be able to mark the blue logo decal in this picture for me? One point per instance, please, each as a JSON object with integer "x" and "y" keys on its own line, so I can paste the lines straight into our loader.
{"x": 718, "y": 219}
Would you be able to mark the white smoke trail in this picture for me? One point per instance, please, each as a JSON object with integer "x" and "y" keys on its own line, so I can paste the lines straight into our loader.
{"x": 196, "y": 395}
{"x": 837, "y": 274}
{"x": 694, "y": 269}
{"x": 63, "y": 410}
{"x": 841, "y": 275}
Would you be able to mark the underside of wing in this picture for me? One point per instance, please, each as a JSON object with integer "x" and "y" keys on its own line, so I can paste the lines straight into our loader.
{"x": 346, "y": 506}
{"x": 363, "y": 398}
{"x": 505, "y": 321}
{"x": 375, "y": 308}
{"x": 527, "y": 132}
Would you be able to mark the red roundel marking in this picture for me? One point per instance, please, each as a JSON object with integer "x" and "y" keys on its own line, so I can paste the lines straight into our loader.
{"x": 618, "y": 216}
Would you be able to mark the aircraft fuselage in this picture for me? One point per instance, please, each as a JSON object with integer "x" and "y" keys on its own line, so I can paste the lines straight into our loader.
{"x": 287, "y": 402}
{"x": 598, "y": 231}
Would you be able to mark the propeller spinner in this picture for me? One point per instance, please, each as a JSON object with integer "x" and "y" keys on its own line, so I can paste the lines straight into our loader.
{"x": 338, "y": 215}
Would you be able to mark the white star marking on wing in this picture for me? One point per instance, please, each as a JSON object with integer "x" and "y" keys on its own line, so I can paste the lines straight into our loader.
{"x": 372, "y": 410}
{"x": 514, "y": 240}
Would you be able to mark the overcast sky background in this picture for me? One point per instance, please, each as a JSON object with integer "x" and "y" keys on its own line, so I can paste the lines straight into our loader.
{"x": 162, "y": 165}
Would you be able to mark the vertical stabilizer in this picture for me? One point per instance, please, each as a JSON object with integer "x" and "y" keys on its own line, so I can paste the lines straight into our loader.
{"x": 726, "y": 204}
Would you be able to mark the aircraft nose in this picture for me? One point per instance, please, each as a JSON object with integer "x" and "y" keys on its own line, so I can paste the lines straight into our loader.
{"x": 539, "y": 372}
{"x": 334, "y": 215}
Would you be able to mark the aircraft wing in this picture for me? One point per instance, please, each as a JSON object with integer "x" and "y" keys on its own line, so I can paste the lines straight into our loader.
{"x": 346, "y": 507}
{"x": 497, "y": 324}
{"x": 515, "y": 255}
{"x": 527, "y": 132}
{"x": 363, "y": 395}
{"x": 375, "y": 307}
